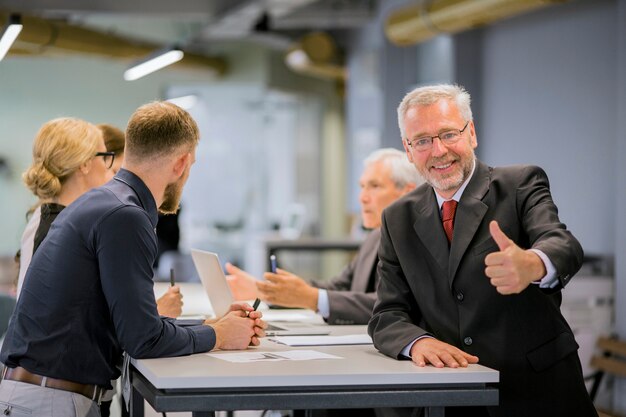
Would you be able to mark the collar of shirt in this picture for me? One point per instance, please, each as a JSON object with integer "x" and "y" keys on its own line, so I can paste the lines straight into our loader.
{"x": 142, "y": 192}
{"x": 459, "y": 192}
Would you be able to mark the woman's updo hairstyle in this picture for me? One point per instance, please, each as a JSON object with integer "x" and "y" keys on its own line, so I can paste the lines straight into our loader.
{"x": 61, "y": 146}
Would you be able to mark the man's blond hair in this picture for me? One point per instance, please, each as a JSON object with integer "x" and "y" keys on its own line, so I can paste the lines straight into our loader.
{"x": 157, "y": 129}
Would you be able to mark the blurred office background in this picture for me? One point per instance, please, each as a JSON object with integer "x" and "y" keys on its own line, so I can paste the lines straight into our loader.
{"x": 282, "y": 146}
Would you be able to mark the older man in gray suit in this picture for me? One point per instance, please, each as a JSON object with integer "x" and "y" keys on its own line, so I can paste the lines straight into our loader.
{"x": 349, "y": 297}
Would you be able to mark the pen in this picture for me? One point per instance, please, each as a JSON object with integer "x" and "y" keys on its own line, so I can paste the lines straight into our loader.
{"x": 256, "y": 304}
{"x": 273, "y": 263}
{"x": 172, "y": 280}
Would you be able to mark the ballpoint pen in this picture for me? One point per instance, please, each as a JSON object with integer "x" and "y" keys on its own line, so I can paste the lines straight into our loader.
{"x": 273, "y": 267}
{"x": 273, "y": 263}
{"x": 172, "y": 280}
{"x": 257, "y": 301}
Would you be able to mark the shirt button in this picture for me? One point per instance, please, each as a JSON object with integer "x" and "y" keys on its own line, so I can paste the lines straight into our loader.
{"x": 468, "y": 341}
{"x": 460, "y": 296}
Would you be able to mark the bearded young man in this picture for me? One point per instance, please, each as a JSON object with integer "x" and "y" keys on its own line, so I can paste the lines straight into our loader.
{"x": 88, "y": 293}
{"x": 472, "y": 264}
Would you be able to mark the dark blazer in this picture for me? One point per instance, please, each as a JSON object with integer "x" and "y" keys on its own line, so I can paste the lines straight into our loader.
{"x": 427, "y": 288}
{"x": 351, "y": 294}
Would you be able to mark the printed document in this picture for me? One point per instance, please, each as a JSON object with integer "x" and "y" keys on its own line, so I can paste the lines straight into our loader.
{"x": 287, "y": 355}
{"x": 350, "y": 339}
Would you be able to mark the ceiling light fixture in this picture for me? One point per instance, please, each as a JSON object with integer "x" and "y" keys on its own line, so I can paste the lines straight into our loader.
{"x": 10, "y": 33}
{"x": 152, "y": 63}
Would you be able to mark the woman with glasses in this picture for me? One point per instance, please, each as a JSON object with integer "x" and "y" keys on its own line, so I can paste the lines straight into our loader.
{"x": 114, "y": 140}
{"x": 69, "y": 158}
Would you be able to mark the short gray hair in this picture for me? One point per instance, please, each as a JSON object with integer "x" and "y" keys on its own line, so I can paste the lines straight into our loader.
{"x": 429, "y": 94}
{"x": 402, "y": 171}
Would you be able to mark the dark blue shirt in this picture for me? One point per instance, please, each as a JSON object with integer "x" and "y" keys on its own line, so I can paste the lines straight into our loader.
{"x": 88, "y": 293}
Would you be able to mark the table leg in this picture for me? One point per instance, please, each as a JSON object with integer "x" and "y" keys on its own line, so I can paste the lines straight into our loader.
{"x": 435, "y": 412}
{"x": 136, "y": 403}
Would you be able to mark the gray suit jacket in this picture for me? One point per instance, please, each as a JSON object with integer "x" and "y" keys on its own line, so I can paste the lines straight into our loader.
{"x": 427, "y": 288}
{"x": 347, "y": 296}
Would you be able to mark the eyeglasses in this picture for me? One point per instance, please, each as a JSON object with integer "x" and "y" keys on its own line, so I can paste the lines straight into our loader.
{"x": 448, "y": 137}
{"x": 108, "y": 158}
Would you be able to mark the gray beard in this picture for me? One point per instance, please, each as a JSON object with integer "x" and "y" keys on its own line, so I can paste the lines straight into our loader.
{"x": 453, "y": 182}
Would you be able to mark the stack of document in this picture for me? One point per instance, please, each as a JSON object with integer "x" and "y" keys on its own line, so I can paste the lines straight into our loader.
{"x": 287, "y": 355}
{"x": 351, "y": 339}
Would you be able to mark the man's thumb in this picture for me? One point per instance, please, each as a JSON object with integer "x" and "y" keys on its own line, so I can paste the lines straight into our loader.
{"x": 498, "y": 235}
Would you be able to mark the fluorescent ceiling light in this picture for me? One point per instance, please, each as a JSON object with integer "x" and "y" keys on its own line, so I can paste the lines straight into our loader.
{"x": 153, "y": 63}
{"x": 184, "y": 102}
{"x": 9, "y": 34}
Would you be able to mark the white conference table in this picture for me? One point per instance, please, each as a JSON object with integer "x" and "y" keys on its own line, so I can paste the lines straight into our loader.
{"x": 361, "y": 378}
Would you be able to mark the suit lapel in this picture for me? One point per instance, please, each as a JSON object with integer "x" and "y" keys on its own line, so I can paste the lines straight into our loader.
{"x": 368, "y": 257}
{"x": 429, "y": 229}
{"x": 469, "y": 215}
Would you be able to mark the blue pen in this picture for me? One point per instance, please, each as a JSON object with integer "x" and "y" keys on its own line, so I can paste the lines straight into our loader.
{"x": 273, "y": 263}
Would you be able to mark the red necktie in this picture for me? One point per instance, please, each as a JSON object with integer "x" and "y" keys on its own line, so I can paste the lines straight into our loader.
{"x": 447, "y": 216}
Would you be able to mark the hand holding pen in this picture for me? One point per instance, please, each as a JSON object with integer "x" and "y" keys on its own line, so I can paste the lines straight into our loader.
{"x": 286, "y": 289}
{"x": 233, "y": 320}
{"x": 171, "y": 303}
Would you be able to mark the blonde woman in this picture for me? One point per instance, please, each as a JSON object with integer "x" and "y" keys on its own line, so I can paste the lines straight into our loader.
{"x": 69, "y": 158}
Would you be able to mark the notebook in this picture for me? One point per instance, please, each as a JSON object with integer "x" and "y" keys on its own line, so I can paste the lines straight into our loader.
{"x": 216, "y": 287}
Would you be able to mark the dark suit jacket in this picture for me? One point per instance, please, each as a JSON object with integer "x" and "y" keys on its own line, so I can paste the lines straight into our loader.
{"x": 348, "y": 296}
{"x": 426, "y": 288}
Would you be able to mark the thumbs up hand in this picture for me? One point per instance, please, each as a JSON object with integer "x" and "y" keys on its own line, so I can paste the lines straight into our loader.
{"x": 512, "y": 268}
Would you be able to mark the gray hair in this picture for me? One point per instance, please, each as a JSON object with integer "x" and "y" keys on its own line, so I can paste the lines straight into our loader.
{"x": 402, "y": 171}
{"x": 429, "y": 94}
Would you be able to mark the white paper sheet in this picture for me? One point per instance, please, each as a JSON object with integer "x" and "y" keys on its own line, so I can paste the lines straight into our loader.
{"x": 288, "y": 355}
{"x": 350, "y": 339}
{"x": 290, "y": 316}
